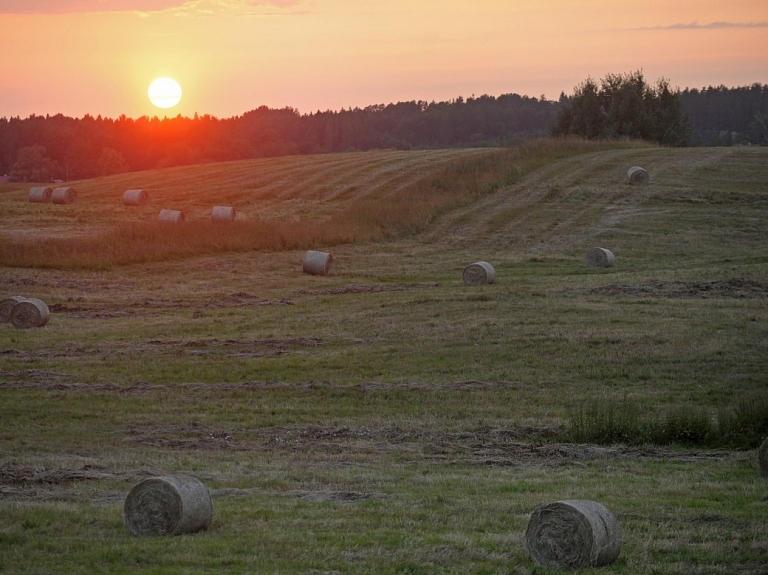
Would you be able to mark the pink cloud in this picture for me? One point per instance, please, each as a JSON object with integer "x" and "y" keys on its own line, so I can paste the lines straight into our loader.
{"x": 74, "y": 6}
{"x": 69, "y": 6}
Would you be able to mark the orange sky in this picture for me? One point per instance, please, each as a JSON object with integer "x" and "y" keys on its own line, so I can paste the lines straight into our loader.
{"x": 80, "y": 57}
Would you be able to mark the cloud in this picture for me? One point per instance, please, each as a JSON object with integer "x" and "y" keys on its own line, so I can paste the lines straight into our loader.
{"x": 710, "y": 26}
{"x": 209, "y": 7}
{"x": 78, "y": 6}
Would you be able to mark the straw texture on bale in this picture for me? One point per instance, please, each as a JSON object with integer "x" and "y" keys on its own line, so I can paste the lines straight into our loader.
{"x": 223, "y": 214}
{"x": 637, "y": 176}
{"x": 29, "y": 313}
{"x": 40, "y": 195}
{"x": 6, "y": 305}
{"x": 762, "y": 458}
{"x": 600, "y": 258}
{"x": 172, "y": 216}
{"x": 168, "y": 505}
{"x": 64, "y": 195}
{"x": 572, "y": 533}
{"x": 135, "y": 198}
{"x": 479, "y": 273}
{"x": 317, "y": 263}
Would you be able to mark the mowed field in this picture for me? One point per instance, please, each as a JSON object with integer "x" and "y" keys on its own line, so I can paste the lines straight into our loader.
{"x": 386, "y": 418}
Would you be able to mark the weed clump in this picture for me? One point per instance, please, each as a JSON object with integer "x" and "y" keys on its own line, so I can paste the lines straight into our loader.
{"x": 608, "y": 421}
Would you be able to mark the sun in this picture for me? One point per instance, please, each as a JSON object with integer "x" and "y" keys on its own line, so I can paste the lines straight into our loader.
{"x": 164, "y": 92}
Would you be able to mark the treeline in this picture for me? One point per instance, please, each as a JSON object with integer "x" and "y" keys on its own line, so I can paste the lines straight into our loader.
{"x": 41, "y": 148}
{"x": 721, "y": 116}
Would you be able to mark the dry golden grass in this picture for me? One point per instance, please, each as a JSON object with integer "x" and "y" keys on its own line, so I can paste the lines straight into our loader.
{"x": 284, "y": 203}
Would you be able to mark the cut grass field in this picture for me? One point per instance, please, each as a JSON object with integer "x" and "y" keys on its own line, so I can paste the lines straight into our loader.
{"x": 386, "y": 418}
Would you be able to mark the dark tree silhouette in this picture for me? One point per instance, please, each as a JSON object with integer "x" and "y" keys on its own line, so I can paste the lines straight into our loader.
{"x": 624, "y": 106}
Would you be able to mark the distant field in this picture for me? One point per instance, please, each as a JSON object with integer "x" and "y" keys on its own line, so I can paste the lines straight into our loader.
{"x": 386, "y": 418}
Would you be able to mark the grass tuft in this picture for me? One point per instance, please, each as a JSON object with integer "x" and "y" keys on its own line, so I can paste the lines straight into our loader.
{"x": 607, "y": 421}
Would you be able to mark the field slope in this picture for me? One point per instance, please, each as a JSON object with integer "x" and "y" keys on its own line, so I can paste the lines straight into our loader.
{"x": 388, "y": 418}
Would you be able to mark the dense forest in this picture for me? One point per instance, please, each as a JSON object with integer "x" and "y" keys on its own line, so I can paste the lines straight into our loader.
{"x": 41, "y": 148}
{"x": 727, "y": 116}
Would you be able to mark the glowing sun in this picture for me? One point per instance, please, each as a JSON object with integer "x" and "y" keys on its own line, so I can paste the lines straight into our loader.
{"x": 164, "y": 92}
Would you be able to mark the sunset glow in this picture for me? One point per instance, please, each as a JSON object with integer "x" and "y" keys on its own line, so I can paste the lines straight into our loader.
{"x": 80, "y": 57}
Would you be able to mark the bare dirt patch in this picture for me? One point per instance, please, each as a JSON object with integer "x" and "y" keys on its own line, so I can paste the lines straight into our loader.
{"x": 513, "y": 448}
{"x": 233, "y": 348}
{"x": 732, "y": 288}
{"x": 11, "y": 475}
{"x": 148, "y": 305}
{"x": 509, "y": 447}
{"x": 359, "y": 288}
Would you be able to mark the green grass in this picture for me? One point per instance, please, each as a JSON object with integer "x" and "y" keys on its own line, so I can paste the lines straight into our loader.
{"x": 743, "y": 425}
{"x": 387, "y": 418}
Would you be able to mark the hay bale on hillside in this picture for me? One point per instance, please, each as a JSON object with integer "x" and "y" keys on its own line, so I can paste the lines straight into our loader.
{"x": 478, "y": 273}
{"x": 317, "y": 263}
{"x": 64, "y": 195}
{"x": 171, "y": 216}
{"x": 168, "y": 505}
{"x": 29, "y": 313}
{"x": 762, "y": 458}
{"x": 637, "y": 176}
{"x": 572, "y": 533}
{"x": 223, "y": 214}
{"x": 6, "y": 305}
{"x": 600, "y": 258}
{"x": 135, "y": 198}
{"x": 40, "y": 194}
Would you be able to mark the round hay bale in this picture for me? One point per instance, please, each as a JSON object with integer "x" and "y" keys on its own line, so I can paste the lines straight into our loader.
{"x": 168, "y": 505}
{"x": 223, "y": 214}
{"x": 171, "y": 216}
{"x": 135, "y": 198}
{"x": 637, "y": 176}
{"x": 64, "y": 195}
{"x": 572, "y": 533}
{"x": 317, "y": 263}
{"x": 762, "y": 458}
{"x": 40, "y": 195}
{"x": 479, "y": 273}
{"x": 6, "y": 305}
{"x": 29, "y": 313}
{"x": 600, "y": 258}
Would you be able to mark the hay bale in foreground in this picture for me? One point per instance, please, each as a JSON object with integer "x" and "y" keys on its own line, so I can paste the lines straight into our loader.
{"x": 40, "y": 195}
{"x": 478, "y": 273}
{"x": 762, "y": 458}
{"x": 637, "y": 176}
{"x": 171, "y": 216}
{"x": 64, "y": 195}
{"x": 168, "y": 505}
{"x": 29, "y": 313}
{"x": 223, "y": 214}
{"x": 6, "y": 305}
{"x": 135, "y": 198}
{"x": 572, "y": 533}
{"x": 600, "y": 258}
{"x": 317, "y": 263}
